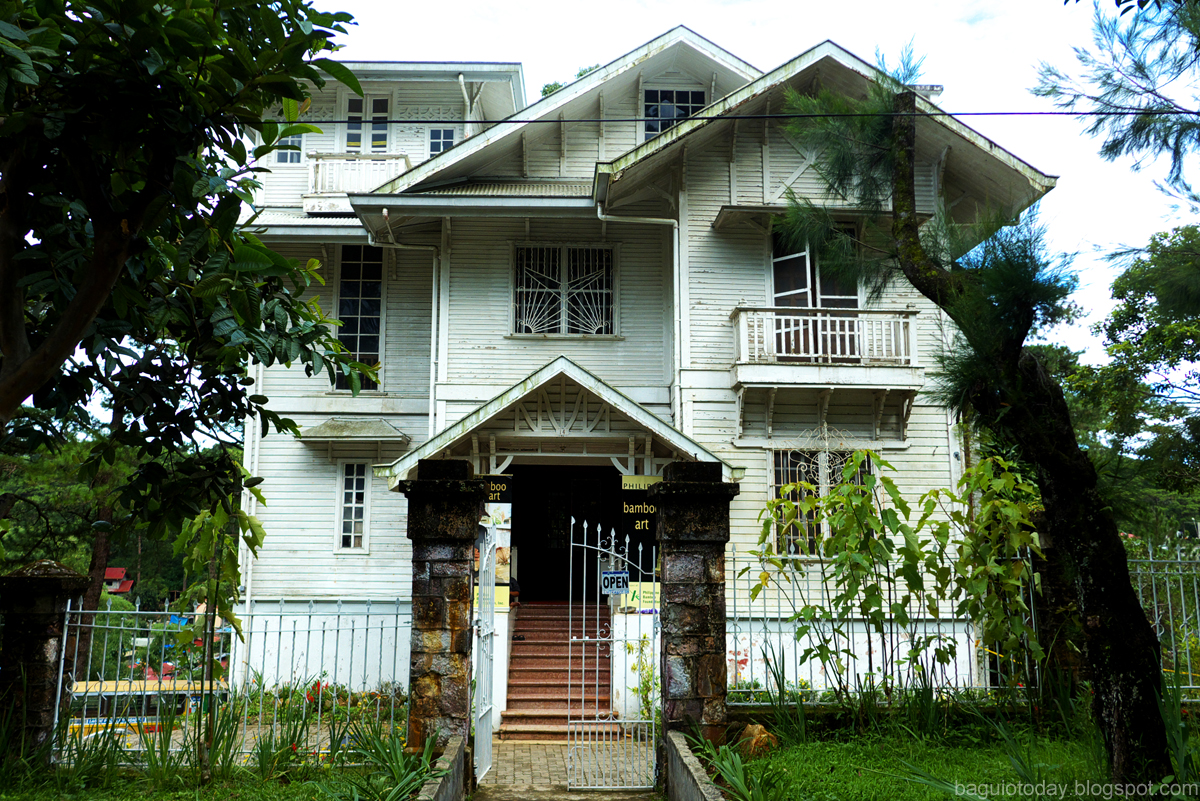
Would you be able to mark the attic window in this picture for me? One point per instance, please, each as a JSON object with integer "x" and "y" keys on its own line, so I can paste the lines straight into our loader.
{"x": 666, "y": 108}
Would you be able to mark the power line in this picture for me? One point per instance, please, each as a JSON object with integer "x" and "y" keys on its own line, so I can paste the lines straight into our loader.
{"x": 676, "y": 120}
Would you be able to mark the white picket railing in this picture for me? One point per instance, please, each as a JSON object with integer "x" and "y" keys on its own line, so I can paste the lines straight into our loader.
{"x": 353, "y": 172}
{"x": 770, "y": 335}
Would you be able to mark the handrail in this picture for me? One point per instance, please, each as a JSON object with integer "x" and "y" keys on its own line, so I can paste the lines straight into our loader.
{"x": 775, "y": 334}
{"x": 801, "y": 311}
{"x": 360, "y": 157}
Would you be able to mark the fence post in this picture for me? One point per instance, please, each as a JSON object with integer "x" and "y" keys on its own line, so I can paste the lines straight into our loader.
{"x": 693, "y": 528}
{"x": 445, "y": 504}
{"x": 33, "y": 600}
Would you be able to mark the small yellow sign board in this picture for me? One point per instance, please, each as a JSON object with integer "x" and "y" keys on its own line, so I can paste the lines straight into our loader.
{"x": 501, "y": 596}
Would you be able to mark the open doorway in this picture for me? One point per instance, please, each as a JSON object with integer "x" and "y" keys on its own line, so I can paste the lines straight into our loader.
{"x": 545, "y": 498}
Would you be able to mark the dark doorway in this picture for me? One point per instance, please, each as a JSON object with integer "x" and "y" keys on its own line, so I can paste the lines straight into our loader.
{"x": 545, "y": 498}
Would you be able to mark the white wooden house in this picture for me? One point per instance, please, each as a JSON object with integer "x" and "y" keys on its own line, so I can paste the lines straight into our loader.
{"x": 587, "y": 289}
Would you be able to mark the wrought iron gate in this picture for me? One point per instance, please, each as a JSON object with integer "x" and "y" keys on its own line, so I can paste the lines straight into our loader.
{"x": 485, "y": 637}
{"x": 613, "y": 662}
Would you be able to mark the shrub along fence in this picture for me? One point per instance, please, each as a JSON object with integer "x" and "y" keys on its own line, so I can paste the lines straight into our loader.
{"x": 771, "y": 642}
{"x": 290, "y": 690}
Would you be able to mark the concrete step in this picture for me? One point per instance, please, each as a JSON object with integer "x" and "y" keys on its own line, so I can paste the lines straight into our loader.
{"x": 554, "y": 717}
{"x": 588, "y": 704}
{"x": 550, "y": 624}
{"x": 561, "y": 612}
{"x": 551, "y": 691}
{"x": 555, "y": 668}
{"x": 564, "y": 648}
{"x": 523, "y": 729}
{"x": 559, "y": 635}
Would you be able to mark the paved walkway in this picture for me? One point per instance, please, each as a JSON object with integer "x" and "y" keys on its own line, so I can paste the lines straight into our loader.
{"x": 527, "y": 764}
{"x": 533, "y": 771}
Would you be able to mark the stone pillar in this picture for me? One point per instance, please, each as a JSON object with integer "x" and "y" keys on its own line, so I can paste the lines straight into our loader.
{"x": 33, "y": 600}
{"x": 693, "y": 527}
{"x": 445, "y": 504}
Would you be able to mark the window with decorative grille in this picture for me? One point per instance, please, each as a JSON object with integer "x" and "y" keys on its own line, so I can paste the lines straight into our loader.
{"x": 821, "y": 469}
{"x": 360, "y": 301}
{"x": 354, "y": 505}
{"x": 564, "y": 289}
{"x": 666, "y": 108}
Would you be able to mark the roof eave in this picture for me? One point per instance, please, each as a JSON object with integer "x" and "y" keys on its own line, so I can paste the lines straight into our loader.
{"x": 551, "y": 103}
{"x": 398, "y": 470}
{"x": 765, "y": 83}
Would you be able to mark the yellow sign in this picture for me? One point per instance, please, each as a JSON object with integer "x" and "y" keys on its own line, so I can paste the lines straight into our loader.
{"x": 639, "y": 482}
{"x": 501, "y": 596}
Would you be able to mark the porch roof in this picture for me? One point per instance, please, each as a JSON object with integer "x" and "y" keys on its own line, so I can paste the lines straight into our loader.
{"x": 561, "y": 367}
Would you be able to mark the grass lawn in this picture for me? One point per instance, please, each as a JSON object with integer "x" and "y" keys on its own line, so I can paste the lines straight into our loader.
{"x": 136, "y": 789}
{"x": 869, "y": 768}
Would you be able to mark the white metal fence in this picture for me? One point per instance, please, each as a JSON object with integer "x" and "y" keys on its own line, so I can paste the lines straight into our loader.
{"x": 761, "y": 637}
{"x": 1168, "y": 584}
{"x": 299, "y": 678}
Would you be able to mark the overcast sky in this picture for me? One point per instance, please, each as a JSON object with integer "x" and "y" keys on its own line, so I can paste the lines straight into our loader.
{"x": 984, "y": 52}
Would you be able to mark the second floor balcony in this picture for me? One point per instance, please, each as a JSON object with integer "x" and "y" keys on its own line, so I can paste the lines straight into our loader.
{"x": 790, "y": 346}
{"x": 332, "y": 175}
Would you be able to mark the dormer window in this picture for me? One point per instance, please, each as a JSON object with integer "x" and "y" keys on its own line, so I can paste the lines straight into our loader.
{"x": 666, "y": 108}
{"x": 367, "y": 124}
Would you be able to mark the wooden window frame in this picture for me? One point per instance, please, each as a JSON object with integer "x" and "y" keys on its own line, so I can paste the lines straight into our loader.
{"x": 366, "y": 117}
{"x": 383, "y": 294}
{"x": 368, "y": 476}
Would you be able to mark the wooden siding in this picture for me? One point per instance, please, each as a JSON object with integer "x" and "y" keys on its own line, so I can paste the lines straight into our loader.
{"x": 419, "y": 105}
{"x": 482, "y": 349}
{"x": 731, "y": 267}
{"x": 407, "y": 320}
{"x": 298, "y": 558}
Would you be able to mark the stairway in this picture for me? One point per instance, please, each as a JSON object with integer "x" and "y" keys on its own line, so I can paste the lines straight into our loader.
{"x": 538, "y": 686}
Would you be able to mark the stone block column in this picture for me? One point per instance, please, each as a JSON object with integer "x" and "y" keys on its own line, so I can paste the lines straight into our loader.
{"x": 693, "y": 528}
{"x": 445, "y": 504}
{"x": 33, "y": 600}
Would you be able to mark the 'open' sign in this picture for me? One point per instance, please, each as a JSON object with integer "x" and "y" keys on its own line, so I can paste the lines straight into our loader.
{"x": 614, "y": 582}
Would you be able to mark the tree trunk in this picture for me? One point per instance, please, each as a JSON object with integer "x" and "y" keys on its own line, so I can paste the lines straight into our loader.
{"x": 1122, "y": 650}
{"x": 91, "y": 597}
{"x": 1022, "y": 401}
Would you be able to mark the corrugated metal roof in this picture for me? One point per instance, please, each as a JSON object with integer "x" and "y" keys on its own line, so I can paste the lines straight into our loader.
{"x": 515, "y": 189}
{"x": 270, "y": 217}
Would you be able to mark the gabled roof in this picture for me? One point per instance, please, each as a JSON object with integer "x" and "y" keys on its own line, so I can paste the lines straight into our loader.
{"x": 114, "y": 573}
{"x": 830, "y": 53}
{"x": 548, "y": 106}
{"x": 398, "y": 470}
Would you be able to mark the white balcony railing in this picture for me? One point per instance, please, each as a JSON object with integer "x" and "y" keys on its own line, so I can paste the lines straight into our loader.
{"x": 781, "y": 335}
{"x": 339, "y": 173}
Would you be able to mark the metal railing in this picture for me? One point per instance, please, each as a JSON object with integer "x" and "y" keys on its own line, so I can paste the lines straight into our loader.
{"x": 780, "y": 335}
{"x": 761, "y": 637}
{"x": 1168, "y": 584}
{"x": 298, "y": 679}
{"x": 353, "y": 172}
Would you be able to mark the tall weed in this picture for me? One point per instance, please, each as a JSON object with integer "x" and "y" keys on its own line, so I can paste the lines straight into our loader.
{"x": 791, "y": 723}
{"x": 389, "y": 774}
